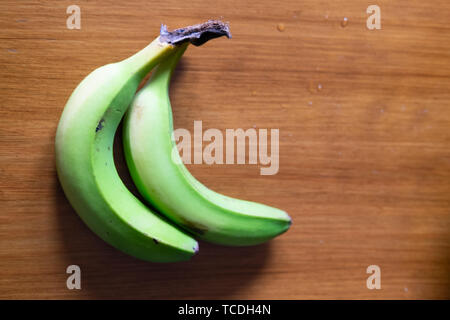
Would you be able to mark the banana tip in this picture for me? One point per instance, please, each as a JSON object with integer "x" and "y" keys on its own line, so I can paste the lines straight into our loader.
{"x": 196, "y": 248}
{"x": 289, "y": 219}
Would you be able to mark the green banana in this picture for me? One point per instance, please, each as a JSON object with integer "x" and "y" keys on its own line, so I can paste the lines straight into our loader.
{"x": 84, "y": 155}
{"x": 167, "y": 184}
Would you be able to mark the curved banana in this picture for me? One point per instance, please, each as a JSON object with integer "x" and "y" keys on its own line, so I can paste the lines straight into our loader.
{"x": 84, "y": 156}
{"x": 167, "y": 184}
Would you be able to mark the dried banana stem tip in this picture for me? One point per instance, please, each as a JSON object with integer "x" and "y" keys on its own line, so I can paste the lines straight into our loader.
{"x": 197, "y": 34}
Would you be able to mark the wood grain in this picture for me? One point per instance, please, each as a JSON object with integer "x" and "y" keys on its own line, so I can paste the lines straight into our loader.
{"x": 364, "y": 162}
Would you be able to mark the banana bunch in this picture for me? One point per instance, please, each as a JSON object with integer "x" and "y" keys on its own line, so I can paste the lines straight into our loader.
{"x": 86, "y": 170}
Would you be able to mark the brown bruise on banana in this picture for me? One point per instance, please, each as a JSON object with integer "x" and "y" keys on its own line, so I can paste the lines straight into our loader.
{"x": 100, "y": 125}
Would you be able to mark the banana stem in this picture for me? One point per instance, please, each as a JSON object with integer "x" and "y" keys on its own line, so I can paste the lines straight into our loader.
{"x": 146, "y": 59}
{"x": 169, "y": 41}
{"x": 197, "y": 34}
{"x": 165, "y": 69}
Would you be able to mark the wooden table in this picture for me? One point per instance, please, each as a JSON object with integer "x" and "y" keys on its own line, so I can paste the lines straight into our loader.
{"x": 364, "y": 119}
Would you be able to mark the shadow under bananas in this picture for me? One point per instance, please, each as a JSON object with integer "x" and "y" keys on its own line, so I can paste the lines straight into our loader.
{"x": 216, "y": 272}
